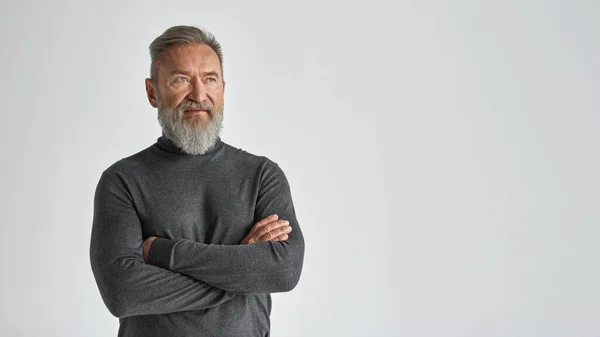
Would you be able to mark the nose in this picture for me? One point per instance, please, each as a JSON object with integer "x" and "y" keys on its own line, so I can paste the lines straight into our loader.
{"x": 198, "y": 91}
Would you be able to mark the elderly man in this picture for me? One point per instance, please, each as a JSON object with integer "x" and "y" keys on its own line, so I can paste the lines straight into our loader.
{"x": 191, "y": 235}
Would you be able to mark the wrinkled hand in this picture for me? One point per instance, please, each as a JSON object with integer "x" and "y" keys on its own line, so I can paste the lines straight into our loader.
{"x": 268, "y": 229}
{"x": 146, "y": 247}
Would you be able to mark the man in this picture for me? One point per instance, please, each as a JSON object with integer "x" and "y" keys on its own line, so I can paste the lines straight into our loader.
{"x": 191, "y": 235}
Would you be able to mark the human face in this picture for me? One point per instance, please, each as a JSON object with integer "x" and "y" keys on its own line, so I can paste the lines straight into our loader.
{"x": 187, "y": 73}
{"x": 188, "y": 93}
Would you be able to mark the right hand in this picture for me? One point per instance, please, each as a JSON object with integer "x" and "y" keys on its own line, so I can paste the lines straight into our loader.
{"x": 268, "y": 229}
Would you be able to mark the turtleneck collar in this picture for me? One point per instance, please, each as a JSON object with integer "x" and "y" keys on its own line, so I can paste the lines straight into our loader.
{"x": 167, "y": 145}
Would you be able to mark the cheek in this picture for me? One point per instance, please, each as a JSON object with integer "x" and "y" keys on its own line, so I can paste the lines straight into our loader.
{"x": 172, "y": 100}
{"x": 217, "y": 98}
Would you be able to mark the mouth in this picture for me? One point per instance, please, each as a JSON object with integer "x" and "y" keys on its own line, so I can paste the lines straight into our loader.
{"x": 195, "y": 112}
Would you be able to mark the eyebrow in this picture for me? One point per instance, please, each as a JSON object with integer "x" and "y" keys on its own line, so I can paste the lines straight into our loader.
{"x": 187, "y": 73}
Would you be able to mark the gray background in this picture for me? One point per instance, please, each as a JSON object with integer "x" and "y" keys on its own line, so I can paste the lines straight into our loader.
{"x": 442, "y": 156}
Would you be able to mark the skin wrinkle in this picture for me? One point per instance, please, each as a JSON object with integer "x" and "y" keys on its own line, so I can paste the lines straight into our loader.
{"x": 189, "y": 77}
{"x": 159, "y": 196}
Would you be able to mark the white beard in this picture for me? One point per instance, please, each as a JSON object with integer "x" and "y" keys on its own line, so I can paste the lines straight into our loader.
{"x": 192, "y": 135}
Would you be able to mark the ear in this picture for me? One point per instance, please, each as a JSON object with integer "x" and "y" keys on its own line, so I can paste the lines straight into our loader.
{"x": 151, "y": 92}
{"x": 224, "y": 85}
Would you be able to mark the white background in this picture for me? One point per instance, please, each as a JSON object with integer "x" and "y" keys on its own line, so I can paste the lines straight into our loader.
{"x": 442, "y": 155}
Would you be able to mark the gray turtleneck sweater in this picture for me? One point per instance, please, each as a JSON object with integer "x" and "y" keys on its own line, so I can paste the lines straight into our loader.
{"x": 199, "y": 280}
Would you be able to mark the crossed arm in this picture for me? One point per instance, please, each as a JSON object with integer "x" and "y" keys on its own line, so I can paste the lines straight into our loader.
{"x": 187, "y": 275}
{"x": 269, "y": 266}
{"x": 267, "y": 229}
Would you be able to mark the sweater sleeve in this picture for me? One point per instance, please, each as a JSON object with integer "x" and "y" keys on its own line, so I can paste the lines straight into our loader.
{"x": 265, "y": 267}
{"x": 127, "y": 285}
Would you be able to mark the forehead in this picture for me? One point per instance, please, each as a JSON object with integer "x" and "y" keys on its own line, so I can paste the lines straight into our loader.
{"x": 190, "y": 57}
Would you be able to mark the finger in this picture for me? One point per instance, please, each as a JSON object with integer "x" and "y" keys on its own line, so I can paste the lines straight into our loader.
{"x": 263, "y": 222}
{"x": 248, "y": 240}
{"x": 275, "y": 235}
{"x": 273, "y": 226}
{"x": 267, "y": 227}
{"x": 284, "y": 230}
{"x": 281, "y": 238}
{"x": 269, "y": 219}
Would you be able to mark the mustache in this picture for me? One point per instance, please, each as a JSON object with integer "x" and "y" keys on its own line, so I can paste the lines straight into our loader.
{"x": 204, "y": 105}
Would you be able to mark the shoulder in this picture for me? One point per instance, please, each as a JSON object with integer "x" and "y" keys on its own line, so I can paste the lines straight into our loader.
{"x": 266, "y": 170}
{"x": 245, "y": 158}
{"x": 130, "y": 165}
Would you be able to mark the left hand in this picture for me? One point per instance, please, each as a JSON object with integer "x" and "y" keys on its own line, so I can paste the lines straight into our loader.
{"x": 146, "y": 247}
{"x": 268, "y": 229}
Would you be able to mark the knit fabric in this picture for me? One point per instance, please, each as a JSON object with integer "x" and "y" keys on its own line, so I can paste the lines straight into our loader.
{"x": 199, "y": 280}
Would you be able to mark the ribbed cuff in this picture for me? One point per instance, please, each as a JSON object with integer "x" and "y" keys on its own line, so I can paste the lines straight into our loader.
{"x": 160, "y": 253}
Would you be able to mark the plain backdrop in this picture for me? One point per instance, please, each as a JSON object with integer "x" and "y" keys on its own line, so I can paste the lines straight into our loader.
{"x": 442, "y": 156}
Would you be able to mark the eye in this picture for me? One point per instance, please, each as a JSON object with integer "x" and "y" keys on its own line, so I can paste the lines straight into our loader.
{"x": 181, "y": 79}
{"x": 211, "y": 80}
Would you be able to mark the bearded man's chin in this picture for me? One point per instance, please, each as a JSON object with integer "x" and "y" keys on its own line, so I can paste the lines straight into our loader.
{"x": 196, "y": 121}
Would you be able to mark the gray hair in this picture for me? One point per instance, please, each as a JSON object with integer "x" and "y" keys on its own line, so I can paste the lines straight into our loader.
{"x": 182, "y": 35}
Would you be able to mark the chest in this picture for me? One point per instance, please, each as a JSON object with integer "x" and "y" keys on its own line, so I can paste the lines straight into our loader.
{"x": 216, "y": 208}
